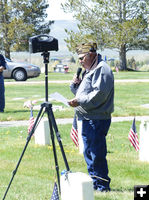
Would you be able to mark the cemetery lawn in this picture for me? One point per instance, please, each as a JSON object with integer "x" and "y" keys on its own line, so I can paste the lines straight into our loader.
{"x": 130, "y": 99}
{"x": 36, "y": 174}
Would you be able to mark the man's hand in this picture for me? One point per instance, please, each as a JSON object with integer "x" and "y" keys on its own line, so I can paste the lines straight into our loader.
{"x": 76, "y": 80}
{"x": 73, "y": 102}
{"x": 1, "y": 68}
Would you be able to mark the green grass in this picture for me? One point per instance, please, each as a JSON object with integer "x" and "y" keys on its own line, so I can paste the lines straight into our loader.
{"x": 131, "y": 75}
{"x": 14, "y": 108}
{"x": 128, "y": 99}
{"x": 69, "y": 76}
{"x": 36, "y": 174}
{"x": 51, "y": 76}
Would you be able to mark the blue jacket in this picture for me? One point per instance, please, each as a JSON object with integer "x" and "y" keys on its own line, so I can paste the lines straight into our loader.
{"x": 95, "y": 93}
{"x": 2, "y": 62}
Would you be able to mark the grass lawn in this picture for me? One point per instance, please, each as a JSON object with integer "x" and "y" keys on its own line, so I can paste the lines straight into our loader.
{"x": 69, "y": 76}
{"x": 131, "y": 75}
{"x": 129, "y": 98}
{"x": 36, "y": 174}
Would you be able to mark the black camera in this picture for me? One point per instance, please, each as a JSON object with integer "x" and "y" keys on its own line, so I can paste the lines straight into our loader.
{"x": 42, "y": 43}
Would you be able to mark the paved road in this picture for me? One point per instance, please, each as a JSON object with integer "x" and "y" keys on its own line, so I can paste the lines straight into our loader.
{"x": 69, "y": 121}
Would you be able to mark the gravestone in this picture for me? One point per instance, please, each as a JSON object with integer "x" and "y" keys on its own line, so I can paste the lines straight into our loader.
{"x": 76, "y": 186}
{"x": 42, "y": 132}
{"x": 144, "y": 141}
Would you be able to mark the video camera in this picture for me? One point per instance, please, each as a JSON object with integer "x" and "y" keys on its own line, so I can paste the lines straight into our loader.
{"x": 42, "y": 43}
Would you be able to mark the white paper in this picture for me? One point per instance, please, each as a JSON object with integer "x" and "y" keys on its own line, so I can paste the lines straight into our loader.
{"x": 58, "y": 97}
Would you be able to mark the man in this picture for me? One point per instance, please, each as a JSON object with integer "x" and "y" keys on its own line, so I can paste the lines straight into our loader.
{"x": 94, "y": 103}
{"x": 2, "y": 88}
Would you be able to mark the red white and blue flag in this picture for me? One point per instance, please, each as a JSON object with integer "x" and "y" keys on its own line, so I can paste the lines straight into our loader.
{"x": 55, "y": 195}
{"x": 31, "y": 121}
{"x": 133, "y": 137}
{"x": 74, "y": 132}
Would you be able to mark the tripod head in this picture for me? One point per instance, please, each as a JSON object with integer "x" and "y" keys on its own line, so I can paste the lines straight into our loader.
{"x": 46, "y": 56}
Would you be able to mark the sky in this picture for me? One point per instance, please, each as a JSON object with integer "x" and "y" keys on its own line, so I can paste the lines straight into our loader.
{"x": 55, "y": 12}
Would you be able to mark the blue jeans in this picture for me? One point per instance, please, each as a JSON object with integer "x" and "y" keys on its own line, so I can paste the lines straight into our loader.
{"x": 95, "y": 150}
{"x": 2, "y": 93}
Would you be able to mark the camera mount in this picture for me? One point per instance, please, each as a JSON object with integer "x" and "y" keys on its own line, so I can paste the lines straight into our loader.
{"x": 46, "y": 107}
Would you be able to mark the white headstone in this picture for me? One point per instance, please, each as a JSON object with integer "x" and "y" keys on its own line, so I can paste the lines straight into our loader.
{"x": 42, "y": 132}
{"x": 81, "y": 145}
{"x": 144, "y": 141}
{"x": 76, "y": 186}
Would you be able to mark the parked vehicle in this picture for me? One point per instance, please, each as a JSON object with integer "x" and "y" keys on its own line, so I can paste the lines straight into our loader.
{"x": 61, "y": 68}
{"x": 20, "y": 71}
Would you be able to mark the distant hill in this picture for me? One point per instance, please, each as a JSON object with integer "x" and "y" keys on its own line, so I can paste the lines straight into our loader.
{"x": 58, "y": 31}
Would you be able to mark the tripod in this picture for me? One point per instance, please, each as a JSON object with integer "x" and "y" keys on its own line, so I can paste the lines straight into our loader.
{"x": 46, "y": 107}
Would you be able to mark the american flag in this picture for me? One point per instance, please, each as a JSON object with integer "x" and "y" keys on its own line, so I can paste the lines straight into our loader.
{"x": 74, "y": 132}
{"x": 31, "y": 121}
{"x": 133, "y": 137}
{"x": 55, "y": 195}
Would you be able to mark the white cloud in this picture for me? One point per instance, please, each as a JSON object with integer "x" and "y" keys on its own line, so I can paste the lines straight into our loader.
{"x": 55, "y": 12}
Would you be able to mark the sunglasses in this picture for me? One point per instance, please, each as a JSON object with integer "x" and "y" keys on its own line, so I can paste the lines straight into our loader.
{"x": 81, "y": 58}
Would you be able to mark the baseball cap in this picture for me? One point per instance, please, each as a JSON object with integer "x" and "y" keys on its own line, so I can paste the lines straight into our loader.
{"x": 85, "y": 48}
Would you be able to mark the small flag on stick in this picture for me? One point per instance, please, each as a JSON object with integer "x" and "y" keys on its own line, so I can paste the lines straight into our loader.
{"x": 31, "y": 121}
{"x": 55, "y": 195}
{"x": 133, "y": 137}
{"x": 74, "y": 132}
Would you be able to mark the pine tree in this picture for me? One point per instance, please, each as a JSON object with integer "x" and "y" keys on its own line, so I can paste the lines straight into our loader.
{"x": 19, "y": 20}
{"x": 114, "y": 24}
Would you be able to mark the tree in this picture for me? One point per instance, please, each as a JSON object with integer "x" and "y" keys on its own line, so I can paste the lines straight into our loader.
{"x": 19, "y": 20}
{"x": 132, "y": 63}
{"x": 72, "y": 60}
{"x": 114, "y": 24}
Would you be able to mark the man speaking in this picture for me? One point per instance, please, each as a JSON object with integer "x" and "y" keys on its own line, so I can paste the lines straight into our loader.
{"x": 94, "y": 103}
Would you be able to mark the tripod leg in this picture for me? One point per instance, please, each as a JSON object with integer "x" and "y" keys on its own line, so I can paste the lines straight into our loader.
{"x": 51, "y": 116}
{"x": 27, "y": 142}
{"x": 54, "y": 149}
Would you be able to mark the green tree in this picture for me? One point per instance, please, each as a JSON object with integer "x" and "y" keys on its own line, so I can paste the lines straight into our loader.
{"x": 72, "y": 60}
{"x": 114, "y": 24}
{"x": 19, "y": 20}
{"x": 132, "y": 63}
